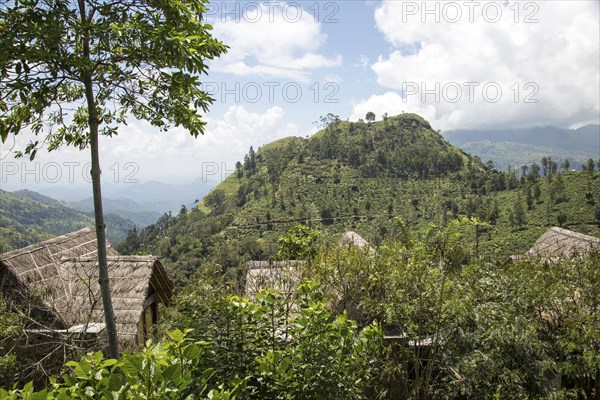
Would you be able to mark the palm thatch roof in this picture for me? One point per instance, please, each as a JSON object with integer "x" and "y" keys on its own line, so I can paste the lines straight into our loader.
{"x": 353, "y": 239}
{"x": 563, "y": 242}
{"x": 134, "y": 280}
{"x": 63, "y": 273}
{"x": 282, "y": 276}
{"x": 39, "y": 262}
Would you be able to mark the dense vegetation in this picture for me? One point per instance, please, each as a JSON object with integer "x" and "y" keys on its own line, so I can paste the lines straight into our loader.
{"x": 431, "y": 310}
{"x": 27, "y": 217}
{"x": 454, "y": 330}
{"x": 359, "y": 176}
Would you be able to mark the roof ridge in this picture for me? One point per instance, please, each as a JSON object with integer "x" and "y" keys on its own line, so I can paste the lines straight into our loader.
{"x": 568, "y": 232}
{"x": 145, "y": 258}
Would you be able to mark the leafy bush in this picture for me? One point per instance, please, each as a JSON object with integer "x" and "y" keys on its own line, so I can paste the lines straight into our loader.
{"x": 282, "y": 346}
{"x": 161, "y": 371}
{"x": 251, "y": 349}
{"x": 298, "y": 243}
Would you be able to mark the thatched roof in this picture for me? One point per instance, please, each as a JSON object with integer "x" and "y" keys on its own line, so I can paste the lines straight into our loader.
{"x": 39, "y": 262}
{"x": 133, "y": 279}
{"x": 63, "y": 272}
{"x": 282, "y": 276}
{"x": 353, "y": 239}
{"x": 563, "y": 242}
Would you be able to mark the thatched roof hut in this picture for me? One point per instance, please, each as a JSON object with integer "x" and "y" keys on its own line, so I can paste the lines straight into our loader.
{"x": 283, "y": 276}
{"x": 62, "y": 273}
{"x": 138, "y": 285}
{"x": 353, "y": 239}
{"x": 563, "y": 242}
{"x": 38, "y": 263}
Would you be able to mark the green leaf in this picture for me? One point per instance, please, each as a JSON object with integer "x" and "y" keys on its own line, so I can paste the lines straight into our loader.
{"x": 173, "y": 374}
{"x": 131, "y": 365}
{"x": 176, "y": 335}
{"x": 109, "y": 362}
{"x": 191, "y": 351}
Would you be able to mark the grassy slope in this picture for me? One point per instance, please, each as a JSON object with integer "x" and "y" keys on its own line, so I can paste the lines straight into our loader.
{"x": 295, "y": 182}
{"x": 306, "y": 187}
{"x": 580, "y": 214}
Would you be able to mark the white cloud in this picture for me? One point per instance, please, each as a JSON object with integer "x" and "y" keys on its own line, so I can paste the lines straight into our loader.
{"x": 225, "y": 141}
{"x": 559, "y": 56}
{"x": 168, "y": 156}
{"x": 392, "y": 104}
{"x": 276, "y": 42}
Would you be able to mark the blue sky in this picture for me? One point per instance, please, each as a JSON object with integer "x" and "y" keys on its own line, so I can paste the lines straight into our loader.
{"x": 458, "y": 64}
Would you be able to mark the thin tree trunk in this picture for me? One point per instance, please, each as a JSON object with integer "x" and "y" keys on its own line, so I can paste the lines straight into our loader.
{"x": 109, "y": 316}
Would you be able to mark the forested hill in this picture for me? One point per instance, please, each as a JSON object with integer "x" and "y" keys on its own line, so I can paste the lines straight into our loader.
{"x": 27, "y": 217}
{"x": 359, "y": 176}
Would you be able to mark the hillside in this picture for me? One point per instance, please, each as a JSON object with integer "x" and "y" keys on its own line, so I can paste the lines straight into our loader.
{"x": 28, "y": 217}
{"x": 359, "y": 176}
{"x": 516, "y": 147}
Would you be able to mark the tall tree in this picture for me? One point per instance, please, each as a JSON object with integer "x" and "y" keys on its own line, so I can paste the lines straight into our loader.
{"x": 73, "y": 70}
{"x": 545, "y": 165}
{"x": 535, "y": 172}
{"x": 370, "y": 116}
{"x": 519, "y": 213}
{"x": 589, "y": 166}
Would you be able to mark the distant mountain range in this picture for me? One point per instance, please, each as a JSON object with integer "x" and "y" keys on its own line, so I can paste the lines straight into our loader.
{"x": 143, "y": 203}
{"x": 513, "y": 147}
{"x": 27, "y": 217}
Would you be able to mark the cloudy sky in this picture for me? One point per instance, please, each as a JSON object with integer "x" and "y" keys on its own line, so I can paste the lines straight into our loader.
{"x": 459, "y": 64}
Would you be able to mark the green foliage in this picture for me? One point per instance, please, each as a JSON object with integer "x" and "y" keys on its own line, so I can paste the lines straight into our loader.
{"x": 237, "y": 348}
{"x": 337, "y": 181}
{"x": 504, "y": 332}
{"x": 74, "y": 71}
{"x": 518, "y": 213}
{"x": 165, "y": 370}
{"x": 589, "y": 166}
{"x": 8, "y": 370}
{"x": 131, "y": 244}
{"x": 458, "y": 327}
{"x": 352, "y": 281}
{"x": 11, "y": 327}
{"x": 143, "y": 59}
{"x": 280, "y": 346}
{"x": 215, "y": 200}
{"x": 299, "y": 243}
{"x": 463, "y": 329}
